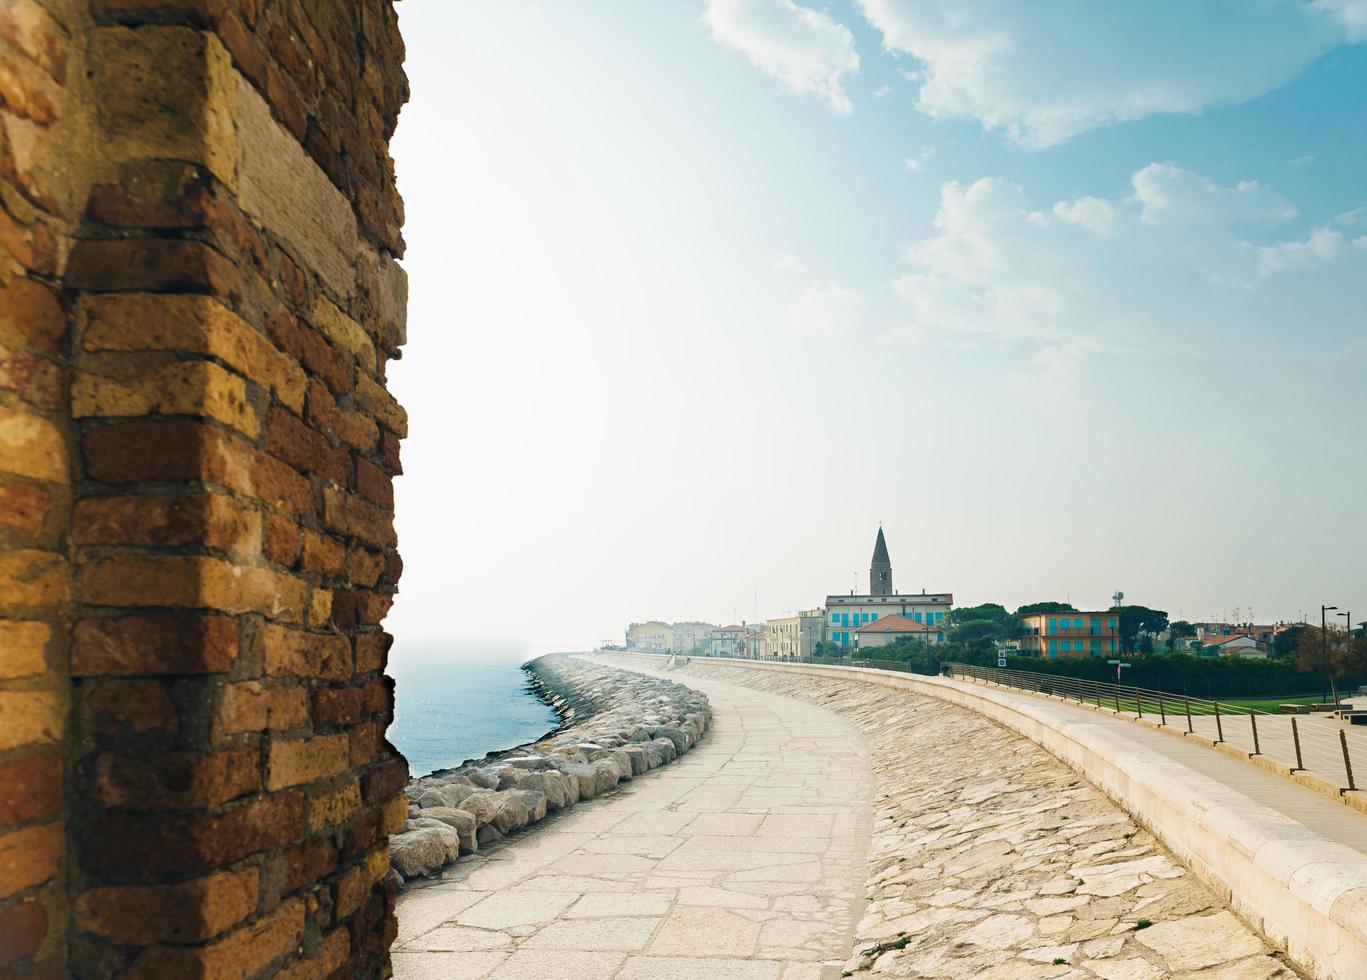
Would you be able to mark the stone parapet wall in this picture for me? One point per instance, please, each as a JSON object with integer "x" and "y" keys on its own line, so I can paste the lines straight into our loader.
{"x": 198, "y": 299}
{"x": 619, "y": 724}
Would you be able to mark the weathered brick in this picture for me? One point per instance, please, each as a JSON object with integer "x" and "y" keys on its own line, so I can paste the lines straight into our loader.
{"x": 371, "y": 651}
{"x": 251, "y": 706}
{"x": 24, "y": 510}
{"x": 338, "y": 706}
{"x": 309, "y": 862}
{"x": 323, "y": 555}
{"x": 281, "y": 539}
{"x": 353, "y": 428}
{"x": 374, "y": 484}
{"x": 320, "y": 609}
{"x": 190, "y": 911}
{"x": 165, "y": 93}
{"x": 33, "y": 789}
{"x": 310, "y": 348}
{"x": 30, "y": 316}
{"x": 29, "y": 856}
{"x": 352, "y": 516}
{"x": 306, "y": 449}
{"x": 331, "y": 809}
{"x": 24, "y": 645}
{"x": 32, "y": 378}
{"x": 129, "y": 707}
{"x": 385, "y": 780}
{"x": 295, "y": 653}
{"x": 196, "y": 388}
{"x": 174, "y": 780}
{"x": 325, "y": 962}
{"x": 195, "y": 324}
{"x": 162, "y": 194}
{"x": 30, "y": 718}
{"x": 301, "y": 761}
{"x": 373, "y": 398}
{"x": 364, "y": 567}
{"x": 364, "y": 742}
{"x": 23, "y": 927}
{"x": 216, "y": 521}
{"x": 32, "y": 446}
{"x": 176, "y": 643}
{"x": 355, "y": 607}
{"x": 242, "y": 953}
{"x": 181, "y": 449}
{"x": 34, "y": 581}
{"x": 390, "y": 452}
{"x": 138, "y": 265}
{"x": 183, "y": 844}
{"x": 193, "y": 581}
{"x": 344, "y": 332}
{"x": 393, "y": 815}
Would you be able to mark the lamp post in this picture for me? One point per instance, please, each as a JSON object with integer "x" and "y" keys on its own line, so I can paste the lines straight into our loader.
{"x": 1324, "y": 652}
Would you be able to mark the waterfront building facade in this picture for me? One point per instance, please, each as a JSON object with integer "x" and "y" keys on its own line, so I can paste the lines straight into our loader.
{"x": 793, "y": 637}
{"x": 650, "y": 637}
{"x": 691, "y": 637}
{"x": 1069, "y": 634}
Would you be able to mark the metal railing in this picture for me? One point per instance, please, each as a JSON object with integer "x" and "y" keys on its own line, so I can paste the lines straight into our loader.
{"x": 1316, "y": 742}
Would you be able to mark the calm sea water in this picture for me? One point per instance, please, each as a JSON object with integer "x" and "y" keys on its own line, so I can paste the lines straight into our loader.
{"x": 449, "y": 708}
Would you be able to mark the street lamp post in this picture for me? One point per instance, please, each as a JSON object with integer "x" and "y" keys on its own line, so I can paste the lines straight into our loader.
{"x": 1324, "y": 652}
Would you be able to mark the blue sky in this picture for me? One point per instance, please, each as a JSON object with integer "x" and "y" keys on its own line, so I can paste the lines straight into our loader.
{"x": 1069, "y": 296}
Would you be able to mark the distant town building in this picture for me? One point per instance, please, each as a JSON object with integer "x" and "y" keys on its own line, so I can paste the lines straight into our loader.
{"x": 742, "y": 641}
{"x": 1234, "y": 645}
{"x": 847, "y": 613}
{"x": 792, "y": 637}
{"x": 1069, "y": 634}
{"x": 650, "y": 637}
{"x": 691, "y": 637}
{"x": 889, "y": 629}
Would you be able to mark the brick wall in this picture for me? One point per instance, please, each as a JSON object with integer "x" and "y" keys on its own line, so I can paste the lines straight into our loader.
{"x": 198, "y": 298}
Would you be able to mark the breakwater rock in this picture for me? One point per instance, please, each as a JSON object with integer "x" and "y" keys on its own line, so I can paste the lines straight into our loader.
{"x": 616, "y": 724}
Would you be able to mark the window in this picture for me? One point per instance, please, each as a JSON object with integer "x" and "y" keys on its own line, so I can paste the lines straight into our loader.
{"x": 1053, "y": 648}
{"x": 1096, "y": 626}
{"x": 835, "y": 619}
{"x": 1112, "y": 622}
{"x": 1096, "y": 648}
{"x": 939, "y": 616}
{"x": 918, "y": 617}
{"x": 1053, "y": 626}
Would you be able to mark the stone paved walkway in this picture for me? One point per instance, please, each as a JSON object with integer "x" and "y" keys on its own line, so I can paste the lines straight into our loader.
{"x": 990, "y": 859}
{"x": 743, "y": 859}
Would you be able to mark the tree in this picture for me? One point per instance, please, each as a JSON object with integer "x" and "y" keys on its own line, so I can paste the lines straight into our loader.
{"x": 1044, "y": 607}
{"x": 1134, "y": 620}
{"x": 1179, "y": 630}
{"x": 1330, "y": 652}
{"x": 1285, "y": 643}
{"x": 979, "y": 628}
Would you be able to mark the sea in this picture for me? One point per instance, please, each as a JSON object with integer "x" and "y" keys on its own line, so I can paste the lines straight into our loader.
{"x": 459, "y": 704}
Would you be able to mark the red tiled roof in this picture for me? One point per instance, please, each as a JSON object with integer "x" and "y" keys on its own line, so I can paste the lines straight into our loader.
{"x": 895, "y": 624}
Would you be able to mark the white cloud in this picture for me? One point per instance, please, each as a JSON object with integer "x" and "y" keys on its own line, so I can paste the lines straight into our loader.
{"x": 1304, "y": 161}
{"x": 805, "y": 49}
{"x": 1041, "y": 73}
{"x": 918, "y": 161}
{"x": 881, "y": 91}
{"x": 825, "y": 311}
{"x": 1169, "y": 268}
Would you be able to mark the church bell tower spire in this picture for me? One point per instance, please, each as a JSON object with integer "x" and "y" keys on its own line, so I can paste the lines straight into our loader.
{"x": 880, "y": 571}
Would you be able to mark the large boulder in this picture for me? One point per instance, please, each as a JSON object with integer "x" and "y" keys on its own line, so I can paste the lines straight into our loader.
{"x": 461, "y": 821}
{"x": 511, "y": 814}
{"x": 423, "y": 851}
{"x": 482, "y": 806}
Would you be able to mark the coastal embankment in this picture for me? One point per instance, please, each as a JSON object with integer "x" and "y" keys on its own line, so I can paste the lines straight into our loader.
{"x": 615, "y": 724}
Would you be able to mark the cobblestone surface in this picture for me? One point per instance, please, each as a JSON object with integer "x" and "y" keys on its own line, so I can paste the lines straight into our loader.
{"x": 990, "y": 858}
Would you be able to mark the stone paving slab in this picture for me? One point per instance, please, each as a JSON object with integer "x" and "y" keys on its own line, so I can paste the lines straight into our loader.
{"x": 743, "y": 859}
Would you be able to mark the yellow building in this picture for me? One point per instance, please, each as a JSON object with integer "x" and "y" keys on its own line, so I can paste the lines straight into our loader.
{"x": 651, "y": 637}
{"x": 1069, "y": 634}
{"x": 793, "y": 637}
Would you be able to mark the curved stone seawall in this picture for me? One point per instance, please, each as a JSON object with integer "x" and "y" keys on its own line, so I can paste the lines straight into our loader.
{"x": 991, "y": 859}
{"x": 1306, "y": 893}
{"x": 617, "y": 724}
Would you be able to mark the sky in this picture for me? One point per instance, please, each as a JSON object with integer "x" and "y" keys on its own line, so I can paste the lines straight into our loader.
{"x": 1069, "y": 297}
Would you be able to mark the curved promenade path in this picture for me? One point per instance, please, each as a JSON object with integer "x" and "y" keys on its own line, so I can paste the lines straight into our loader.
{"x": 743, "y": 859}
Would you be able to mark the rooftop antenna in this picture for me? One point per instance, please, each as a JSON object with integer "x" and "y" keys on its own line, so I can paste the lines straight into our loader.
{"x": 1118, "y": 598}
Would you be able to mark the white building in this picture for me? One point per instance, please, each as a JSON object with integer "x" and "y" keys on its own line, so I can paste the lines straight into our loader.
{"x": 847, "y": 613}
